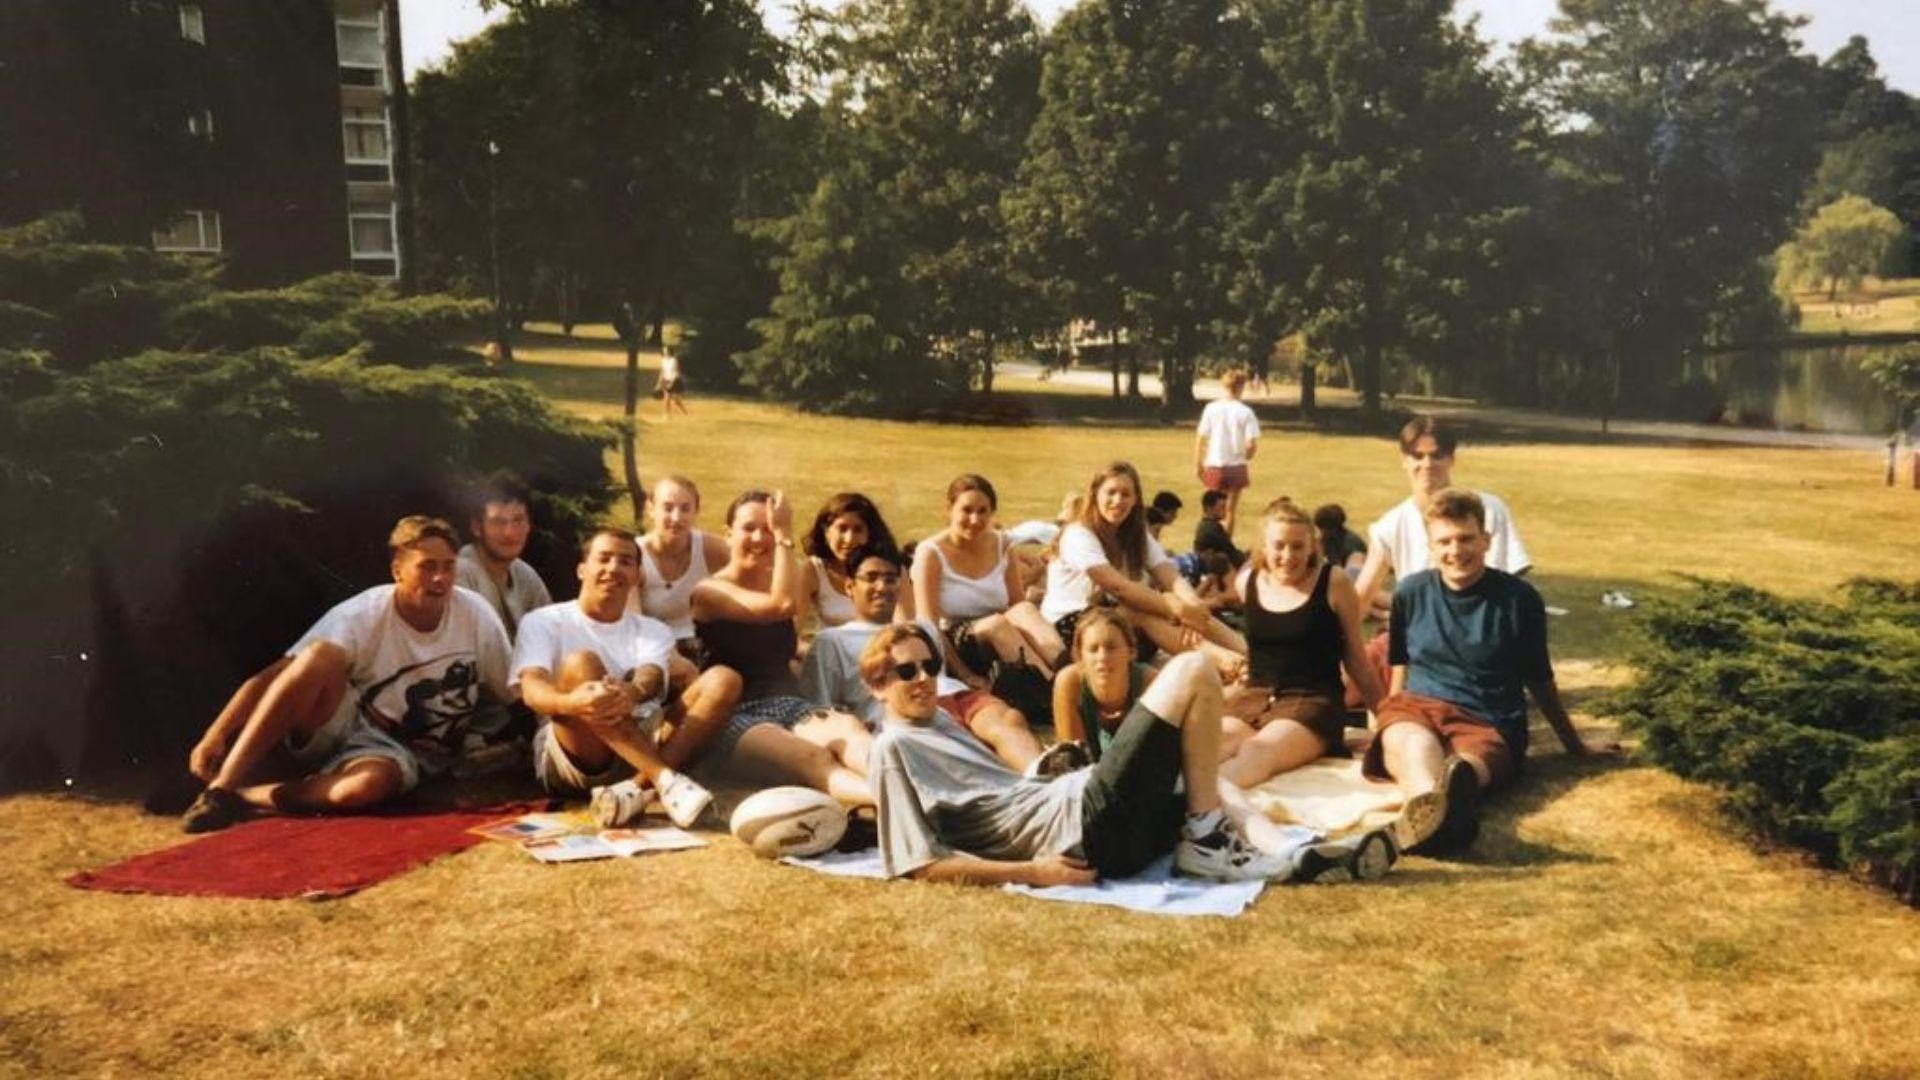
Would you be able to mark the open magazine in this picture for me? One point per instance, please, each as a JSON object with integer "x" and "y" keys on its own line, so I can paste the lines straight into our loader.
{"x": 562, "y": 837}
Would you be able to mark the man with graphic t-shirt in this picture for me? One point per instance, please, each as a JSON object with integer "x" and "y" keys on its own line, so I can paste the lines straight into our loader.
{"x": 491, "y": 565}
{"x": 1468, "y": 644}
{"x": 596, "y": 673}
{"x": 380, "y": 690}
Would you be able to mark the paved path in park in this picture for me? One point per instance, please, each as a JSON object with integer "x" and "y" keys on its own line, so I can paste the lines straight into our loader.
{"x": 1289, "y": 394}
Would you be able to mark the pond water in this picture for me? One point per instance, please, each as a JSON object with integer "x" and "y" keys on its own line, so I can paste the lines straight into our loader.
{"x": 1803, "y": 388}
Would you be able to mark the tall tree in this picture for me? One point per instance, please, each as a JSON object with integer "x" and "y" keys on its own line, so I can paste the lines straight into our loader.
{"x": 1847, "y": 240}
{"x": 1150, "y": 120}
{"x": 1395, "y": 203}
{"x": 929, "y": 102}
{"x": 1686, "y": 132}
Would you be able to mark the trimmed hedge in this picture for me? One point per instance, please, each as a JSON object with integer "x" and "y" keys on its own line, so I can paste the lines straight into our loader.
{"x": 1807, "y": 714}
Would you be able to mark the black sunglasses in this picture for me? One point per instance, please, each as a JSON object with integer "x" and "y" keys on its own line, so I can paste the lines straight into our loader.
{"x": 929, "y": 667}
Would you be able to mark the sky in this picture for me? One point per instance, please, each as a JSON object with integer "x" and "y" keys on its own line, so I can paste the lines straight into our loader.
{"x": 1892, "y": 27}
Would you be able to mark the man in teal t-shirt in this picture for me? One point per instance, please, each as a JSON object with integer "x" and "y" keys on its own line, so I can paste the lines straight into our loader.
{"x": 1465, "y": 641}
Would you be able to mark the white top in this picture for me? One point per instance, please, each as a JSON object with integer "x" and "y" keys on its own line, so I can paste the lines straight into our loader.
{"x": 965, "y": 598}
{"x": 669, "y": 367}
{"x": 671, "y": 602}
{"x": 553, "y": 633}
{"x": 421, "y": 688}
{"x": 523, "y": 593}
{"x": 1230, "y": 427}
{"x": 831, "y": 605}
{"x": 831, "y": 675}
{"x": 1069, "y": 589}
{"x": 1034, "y": 532}
{"x": 1402, "y": 532}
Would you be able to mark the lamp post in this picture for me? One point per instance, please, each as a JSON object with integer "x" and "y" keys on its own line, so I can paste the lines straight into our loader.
{"x": 502, "y": 340}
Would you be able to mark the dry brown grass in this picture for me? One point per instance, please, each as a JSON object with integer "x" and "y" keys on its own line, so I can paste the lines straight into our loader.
{"x": 1609, "y": 923}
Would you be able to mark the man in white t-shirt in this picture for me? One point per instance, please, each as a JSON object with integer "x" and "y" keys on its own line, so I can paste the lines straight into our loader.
{"x": 1223, "y": 448}
{"x": 1397, "y": 542}
{"x": 491, "y": 565}
{"x": 381, "y": 689}
{"x": 597, "y": 675}
{"x": 831, "y": 675}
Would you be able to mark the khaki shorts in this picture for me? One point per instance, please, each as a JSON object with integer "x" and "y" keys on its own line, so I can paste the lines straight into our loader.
{"x": 348, "y": 737}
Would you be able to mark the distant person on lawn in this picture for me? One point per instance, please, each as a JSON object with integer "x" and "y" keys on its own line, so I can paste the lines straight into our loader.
{"x": 1227, "y": 439}
{"x": 1466, "y": 641}
{"x": 950, "y": 811}
{"x": 382, "y": 689}
{"x": 671, "y": 386}
{"x": 597, "y": 674}
{"x": 491, "y": 565}
{"x": 1210, "y": 533}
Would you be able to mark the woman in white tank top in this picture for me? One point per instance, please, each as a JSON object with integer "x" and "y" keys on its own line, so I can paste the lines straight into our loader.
{"x": 966, "y": 582}
{"x": 675, "y": 556}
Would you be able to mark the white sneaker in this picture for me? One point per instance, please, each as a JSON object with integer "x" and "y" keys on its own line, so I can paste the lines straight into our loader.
{"x": 616, "y": 804}
{"x": 1225, "y": 855}
{"x": 684, "y": 799}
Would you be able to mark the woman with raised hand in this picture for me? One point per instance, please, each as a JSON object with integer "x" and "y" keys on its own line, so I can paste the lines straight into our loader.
{"x": 965, "y": 581}
{"x": 1303, "y": 624}
{"x": 746, "y": 617}
{"x": 675, "y": 556}
{"x": 1107, "y": 550}
{"x": 846, "y": 523}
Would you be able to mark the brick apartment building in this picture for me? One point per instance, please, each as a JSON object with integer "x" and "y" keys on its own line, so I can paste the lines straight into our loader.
{"x": 270, "y": 132}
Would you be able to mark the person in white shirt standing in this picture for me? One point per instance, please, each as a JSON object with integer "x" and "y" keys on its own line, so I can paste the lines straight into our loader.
{"x": 596, "y": 673}
{"x": 1224, "y": 446}
{"x": 382, "y": 689}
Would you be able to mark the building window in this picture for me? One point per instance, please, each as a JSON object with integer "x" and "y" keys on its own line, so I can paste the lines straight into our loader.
{"x": 200, "y": 124}
{"x": 366, "y": 136}
{"x": 361, "y": 44}
{"x": 194, "y": 230}
{"x": 193, "y": 23}
{"x": 373, "y": 246}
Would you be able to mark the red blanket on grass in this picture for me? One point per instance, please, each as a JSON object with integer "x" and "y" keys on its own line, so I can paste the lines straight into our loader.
{"x": 313, "y": 857}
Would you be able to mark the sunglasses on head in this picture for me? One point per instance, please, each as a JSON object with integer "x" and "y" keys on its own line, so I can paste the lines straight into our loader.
{"x": 929, "y": 667}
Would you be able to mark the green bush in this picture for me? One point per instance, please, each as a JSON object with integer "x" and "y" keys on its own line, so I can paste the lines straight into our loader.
{"x": 415, "y": 330}
{"x": 1806, "y": 713}
{"x": 23, "y": 327}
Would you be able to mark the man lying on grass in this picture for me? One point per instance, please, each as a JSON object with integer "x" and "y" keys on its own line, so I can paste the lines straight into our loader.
{"x": 1465, "y": 641}
{"x": 832, "y": 676}
{"x": 596, "y": 674}
{"x": 951, "y": 811}
{"x": 383, "y": 687}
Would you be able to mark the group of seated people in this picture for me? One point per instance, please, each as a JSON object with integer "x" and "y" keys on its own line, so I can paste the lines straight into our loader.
{"x": 683, "y": 651}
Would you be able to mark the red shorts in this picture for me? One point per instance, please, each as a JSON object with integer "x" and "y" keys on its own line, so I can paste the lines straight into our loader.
{"x": 967, "y": 705}
{"x": 1224, "y": 477}
{"x": 1459, "y": 731}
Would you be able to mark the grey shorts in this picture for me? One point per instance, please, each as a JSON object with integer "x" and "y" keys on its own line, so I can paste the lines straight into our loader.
{"x": 348, "y": 737}
{"x": 782, "y": 712}
{"x": 561, "y": 775}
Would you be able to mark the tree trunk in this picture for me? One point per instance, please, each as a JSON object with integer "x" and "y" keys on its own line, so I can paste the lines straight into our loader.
{"x": 1133, "y": 369}
{"x": 1113, "y": 360}
{"x": 630, "y": 432}
{"x": 986, "y": 368}
{"x": 1309, "y": 375}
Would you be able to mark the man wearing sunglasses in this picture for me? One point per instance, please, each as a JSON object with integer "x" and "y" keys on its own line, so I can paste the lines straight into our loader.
{"x": 832, "y": 672}
{"x": 951, "y": 811}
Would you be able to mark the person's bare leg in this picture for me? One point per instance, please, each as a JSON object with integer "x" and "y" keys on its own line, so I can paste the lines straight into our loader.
{"x": 1171, "y": 637}
{"x": 1233, "y": 511}
{"x": 1413, "y": 757}
{"x": 700, "y": 714}
{"x": 773, "y": 751}
{"x": 1004, "y": 729}
{"x": 592, "y": 746}
{"x": 840, "y": 734}
{"x": 360, "y": 783}
{"x": 1280, "y": 746}
{"x": 1043, "y": 639}
{"x": 299, "y": 701}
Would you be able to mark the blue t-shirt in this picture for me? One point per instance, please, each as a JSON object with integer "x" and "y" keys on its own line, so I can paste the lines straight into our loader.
{"x": 1476, "y": 648}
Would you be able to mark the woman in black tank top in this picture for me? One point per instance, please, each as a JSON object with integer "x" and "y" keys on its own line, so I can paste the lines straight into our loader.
{"x": 1303, "y": 622}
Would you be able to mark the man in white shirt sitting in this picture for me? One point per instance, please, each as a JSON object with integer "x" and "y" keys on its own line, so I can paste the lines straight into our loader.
{"x": 596, "y": 673}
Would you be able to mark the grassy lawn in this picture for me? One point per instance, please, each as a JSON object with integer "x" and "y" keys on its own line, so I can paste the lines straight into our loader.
{"x": 1891, "y": 306}
{"x": 1607, "y": 925}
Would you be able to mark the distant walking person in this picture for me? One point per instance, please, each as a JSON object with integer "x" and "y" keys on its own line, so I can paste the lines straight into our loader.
{"x": 1228, "y": 436}
{"x": 669, "y": 388}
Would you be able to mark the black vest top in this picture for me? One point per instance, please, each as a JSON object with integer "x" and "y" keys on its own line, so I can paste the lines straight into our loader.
{"x": 1294, "y": 651}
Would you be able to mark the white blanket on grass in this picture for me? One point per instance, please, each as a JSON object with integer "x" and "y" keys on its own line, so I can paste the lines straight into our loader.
{"x": 1156, "y": 891}
{"x": 1328, "y": 796}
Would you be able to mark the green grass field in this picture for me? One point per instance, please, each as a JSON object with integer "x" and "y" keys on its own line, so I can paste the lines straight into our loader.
{"x": 1890, "y": 306}
{"x": 1608, "y": 924}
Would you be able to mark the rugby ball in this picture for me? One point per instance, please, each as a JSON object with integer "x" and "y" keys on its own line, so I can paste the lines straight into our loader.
{"x": 789, "y": 821}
